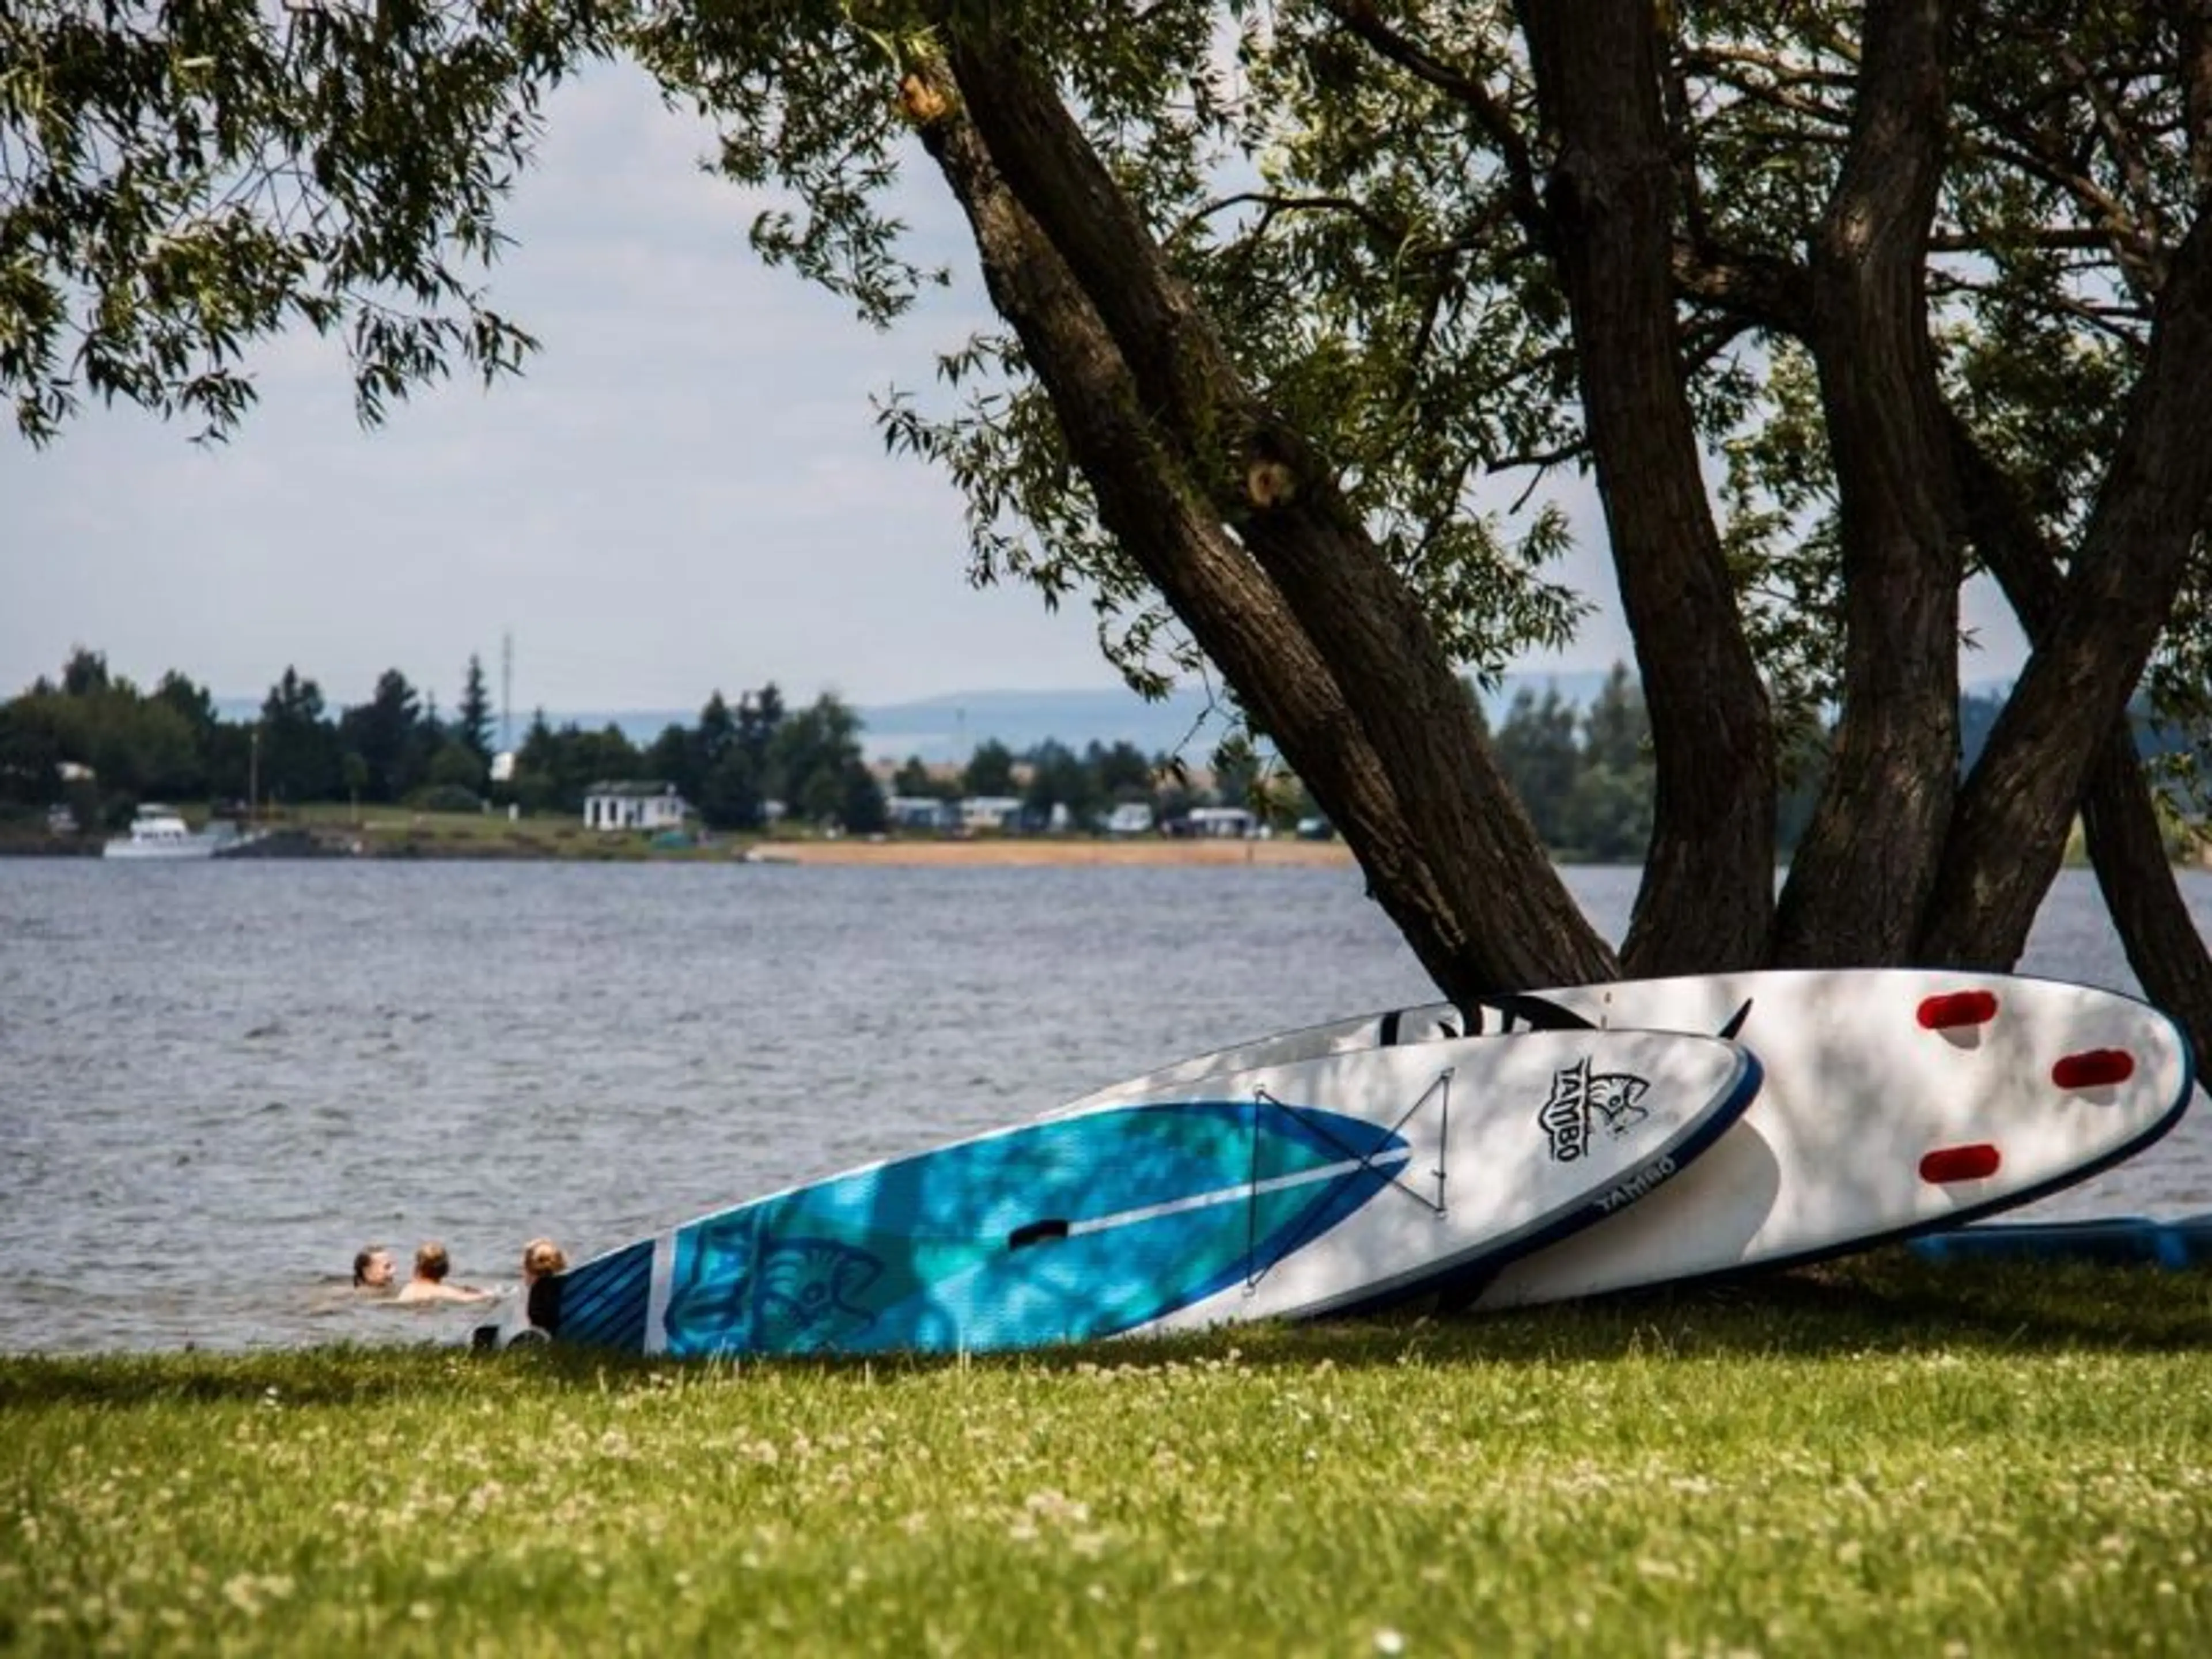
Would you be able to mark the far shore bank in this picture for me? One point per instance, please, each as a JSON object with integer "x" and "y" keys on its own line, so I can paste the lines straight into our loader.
{"x": 335, "y": 832}
{"x": 473, "y": 839}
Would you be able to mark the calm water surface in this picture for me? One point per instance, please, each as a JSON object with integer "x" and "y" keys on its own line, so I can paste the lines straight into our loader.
{"x": 217, "y": 1081}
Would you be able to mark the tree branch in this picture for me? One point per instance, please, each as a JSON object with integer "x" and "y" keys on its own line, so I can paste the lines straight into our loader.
{"x": 1769, "y": 292}
{"x": 1357, "y": 17}
{"x": 1790, "y": 103}
{"x": 2144, "y": 211}
{"x": 2134, "y": 250}
{"x": 1275, "y": 204}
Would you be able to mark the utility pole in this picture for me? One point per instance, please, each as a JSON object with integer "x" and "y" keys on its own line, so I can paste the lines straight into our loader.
{"x": 507, "y": 692}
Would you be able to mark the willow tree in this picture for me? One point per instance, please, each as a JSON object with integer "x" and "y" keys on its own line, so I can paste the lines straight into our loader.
{"x": 1291, "y": 293}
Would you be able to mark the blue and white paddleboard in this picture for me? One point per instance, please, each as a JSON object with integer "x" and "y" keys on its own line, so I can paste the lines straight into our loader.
{"x": 1280, "y": 1191}
{"x": 1895, "y": 1100}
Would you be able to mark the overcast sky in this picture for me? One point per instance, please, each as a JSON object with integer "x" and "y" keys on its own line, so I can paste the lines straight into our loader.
{"x": 685, "y": 491}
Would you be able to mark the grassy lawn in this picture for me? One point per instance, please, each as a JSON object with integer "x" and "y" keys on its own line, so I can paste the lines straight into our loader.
{"x": 1882, "y": 1458}
{"x": 388, "y": 828}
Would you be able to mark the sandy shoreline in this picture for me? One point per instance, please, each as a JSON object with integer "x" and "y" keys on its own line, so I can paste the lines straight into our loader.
{"x": 995, "y": 854}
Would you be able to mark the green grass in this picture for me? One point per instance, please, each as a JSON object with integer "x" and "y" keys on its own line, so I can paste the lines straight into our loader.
{"x": 1882, "y": 1458}
{"x": 399, "y": 830}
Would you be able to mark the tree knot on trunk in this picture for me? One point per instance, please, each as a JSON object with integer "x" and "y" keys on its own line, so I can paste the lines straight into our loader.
{"x": 925, "y": 103}
{"x": 1270, "y": 479}
{"x": 1270, "y": 483}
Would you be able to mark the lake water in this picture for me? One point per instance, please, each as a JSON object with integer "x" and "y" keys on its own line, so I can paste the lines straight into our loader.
{"x": 218, "y": 1080}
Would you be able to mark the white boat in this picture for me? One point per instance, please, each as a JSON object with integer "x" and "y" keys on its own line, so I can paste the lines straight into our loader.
{"x": 160, "y": 832}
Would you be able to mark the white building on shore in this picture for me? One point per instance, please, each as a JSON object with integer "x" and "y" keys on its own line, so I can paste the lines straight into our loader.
{"x": 1232, "y": 823}
{"x": 634, "y": 805}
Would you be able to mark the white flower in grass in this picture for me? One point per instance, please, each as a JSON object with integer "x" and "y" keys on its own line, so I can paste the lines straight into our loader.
{"x": 1389, "y": 1642}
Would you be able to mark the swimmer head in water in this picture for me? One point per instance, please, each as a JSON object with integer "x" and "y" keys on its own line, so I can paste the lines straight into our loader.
{"x": 372, "y": 1269}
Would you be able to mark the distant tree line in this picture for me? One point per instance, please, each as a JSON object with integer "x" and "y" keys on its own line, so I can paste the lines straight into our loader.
{"x": 1587, "y": 776}
{"x": 95, "y": 742}
{"x": 1586, "y": 773}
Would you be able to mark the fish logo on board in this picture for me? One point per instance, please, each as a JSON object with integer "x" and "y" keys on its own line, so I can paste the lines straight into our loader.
{"x": 809, "y": 1289}
{"x": 1580, "y": 1101}
{"x": 776, "y": 1291}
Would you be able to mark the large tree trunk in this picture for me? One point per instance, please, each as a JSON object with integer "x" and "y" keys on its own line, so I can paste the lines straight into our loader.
{"x": 1502, "y": 918}
{"x": 2010, "y": 834}
{"x": 1707, "y": 896}
{"x": 2164, "y": 948}
{"x": 1147, "y": 498}
{"x": 1864, "y": 868}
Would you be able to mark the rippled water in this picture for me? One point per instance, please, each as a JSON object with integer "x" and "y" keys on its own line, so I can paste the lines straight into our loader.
{"x": 218, "y": 1080}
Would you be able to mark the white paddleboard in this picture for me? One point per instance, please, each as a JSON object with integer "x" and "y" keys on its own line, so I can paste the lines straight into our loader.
{"x": 1895, "y": 1100}
{"x": 1510, "y": 1145}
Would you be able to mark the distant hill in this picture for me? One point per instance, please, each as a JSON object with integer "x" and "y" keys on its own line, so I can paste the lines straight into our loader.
{"x": 948, "y": 727}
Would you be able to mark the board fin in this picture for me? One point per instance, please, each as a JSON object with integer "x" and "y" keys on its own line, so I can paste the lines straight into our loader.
{"x": 1036, "y": 1232}
{"x": 1535, "y": 1014}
